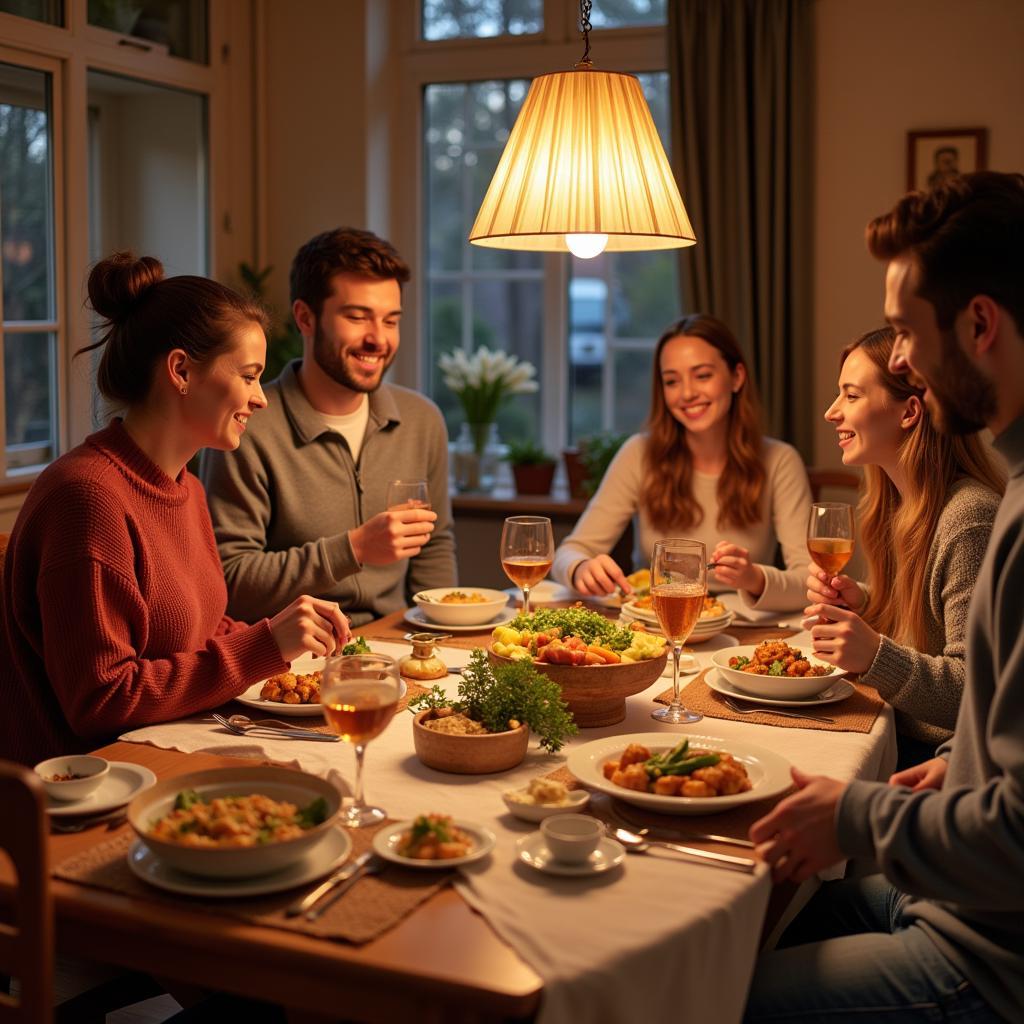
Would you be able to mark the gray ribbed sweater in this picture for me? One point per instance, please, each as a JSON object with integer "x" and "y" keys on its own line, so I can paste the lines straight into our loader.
{"x": 961, "y": 850}
{"x": 925, "y": 686}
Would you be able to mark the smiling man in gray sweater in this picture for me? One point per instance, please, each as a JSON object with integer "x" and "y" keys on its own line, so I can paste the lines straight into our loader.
{"x": 939, "y": 935}
{"x": 301, "y": 506}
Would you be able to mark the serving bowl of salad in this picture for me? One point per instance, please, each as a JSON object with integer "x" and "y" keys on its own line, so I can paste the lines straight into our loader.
{"x": 596, "y": 663}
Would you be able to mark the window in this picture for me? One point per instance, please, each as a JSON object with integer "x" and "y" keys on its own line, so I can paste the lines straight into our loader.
{"x": 477, "y": 19}
{"x": 589, "y": 326}
{"x": 49, "y": 11}
{"x": 176, "y": 26}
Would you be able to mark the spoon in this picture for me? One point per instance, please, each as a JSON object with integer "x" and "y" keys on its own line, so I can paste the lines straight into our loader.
{"x": 242, "y": 724}
{"x": 638, "y": 844}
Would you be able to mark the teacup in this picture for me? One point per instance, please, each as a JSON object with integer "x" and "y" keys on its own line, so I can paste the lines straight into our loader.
{"x": 571, "y": 838}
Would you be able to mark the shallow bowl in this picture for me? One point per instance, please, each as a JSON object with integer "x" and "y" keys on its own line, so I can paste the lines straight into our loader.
{"x": 577, "y": 800}
{"x": 479, "y": 614}
{"x": 296, "y": 787}
{"x": 778, "y": 687}
{"x": 469, "y": 755}
{"x": 91, "y": 771}
{"x": 596, "y": 694}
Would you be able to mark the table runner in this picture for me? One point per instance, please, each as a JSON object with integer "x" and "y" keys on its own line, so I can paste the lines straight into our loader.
{"x": 855, "y": 714}
{"x": 369, "y": 908}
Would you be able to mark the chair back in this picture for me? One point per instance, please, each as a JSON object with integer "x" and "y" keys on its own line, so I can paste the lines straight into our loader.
{"x": 26, "y": 943}
{"x": 838, "y": 478}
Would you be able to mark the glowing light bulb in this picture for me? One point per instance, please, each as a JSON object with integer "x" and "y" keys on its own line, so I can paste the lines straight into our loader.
{"x": 586, "y": 247}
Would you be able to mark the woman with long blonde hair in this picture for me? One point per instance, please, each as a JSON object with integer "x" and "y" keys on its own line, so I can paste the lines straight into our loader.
{"x": 702, "y": 469}
{"x": 924, "y": 521}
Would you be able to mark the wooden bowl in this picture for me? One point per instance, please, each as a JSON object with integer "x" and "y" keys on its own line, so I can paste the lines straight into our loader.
{"x": 596, "y": 694}
{"x": 469, "y": 755}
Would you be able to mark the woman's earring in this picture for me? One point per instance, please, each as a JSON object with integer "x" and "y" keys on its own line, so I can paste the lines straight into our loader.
{"x": 184, "y": 390}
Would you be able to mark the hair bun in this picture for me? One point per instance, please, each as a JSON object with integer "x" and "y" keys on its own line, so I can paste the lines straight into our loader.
{"x": 117, "y": 283}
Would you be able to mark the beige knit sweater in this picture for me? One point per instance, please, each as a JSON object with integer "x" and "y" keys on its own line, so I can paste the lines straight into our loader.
{"x": 924, "y": 687}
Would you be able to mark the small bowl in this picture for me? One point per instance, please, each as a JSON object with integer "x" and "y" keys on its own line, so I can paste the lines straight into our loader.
{"x": 578, "y": 799}
{"x": 469, "y": 755}
{"x": 571, "y": 838}
{"x": 777, "y": 687}
{"x": 92, "y": 772}
{"x": 479, "y": 614}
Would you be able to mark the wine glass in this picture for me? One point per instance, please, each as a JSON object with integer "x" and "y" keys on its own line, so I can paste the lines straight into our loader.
{"x": 830, "y": 536}
{"x": 359, "y": 694}
{"x": 407, "y": 494}
{"x": 527, "y": 551}
{"x": 679, "y": 581}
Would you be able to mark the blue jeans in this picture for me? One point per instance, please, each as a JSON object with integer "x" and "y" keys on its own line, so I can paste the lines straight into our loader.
{"x": 850, "y": 957}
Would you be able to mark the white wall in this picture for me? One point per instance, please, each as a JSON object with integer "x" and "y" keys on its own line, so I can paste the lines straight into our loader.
{"x": 886, "y": 67}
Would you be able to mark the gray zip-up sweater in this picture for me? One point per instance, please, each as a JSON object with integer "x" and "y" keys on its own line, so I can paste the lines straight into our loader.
{"x": 283, "y": 503}
{"x": 960, "y": 850}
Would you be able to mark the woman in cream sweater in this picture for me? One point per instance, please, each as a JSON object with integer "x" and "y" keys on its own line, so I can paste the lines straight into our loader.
{"x": 701, "y": 470}
{"x": 925, "y": 521}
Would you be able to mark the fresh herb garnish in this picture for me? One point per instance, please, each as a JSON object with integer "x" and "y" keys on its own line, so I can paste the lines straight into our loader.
{"x": 591, "y": 627}
{"x": 186, "y": 799}
{"x": 357, "y": 645}
{"x": 313, "y": 814}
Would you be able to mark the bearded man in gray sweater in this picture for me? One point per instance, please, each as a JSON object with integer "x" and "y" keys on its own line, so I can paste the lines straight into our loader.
{"x": 939, "y": 934}
{"x": 301, "y": 506}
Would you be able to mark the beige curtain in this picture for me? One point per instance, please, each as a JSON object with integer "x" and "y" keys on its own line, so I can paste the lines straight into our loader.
{"x": 741, "y": 82}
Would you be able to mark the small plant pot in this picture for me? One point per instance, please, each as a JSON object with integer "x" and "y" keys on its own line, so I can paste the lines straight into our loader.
{"x": 469, "y": 755}
{"x": 576, "y": 472}
{"x": 534, "y": 479}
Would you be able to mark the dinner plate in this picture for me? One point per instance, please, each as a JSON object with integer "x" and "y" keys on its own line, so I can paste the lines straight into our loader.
{"x": 124, "y": 781}
{"x": 415, "y": 617}
{"x": 386, "y": 841}
{"x": 768, "y": 772}
{"x": 332, "y": 850}
{"x": 839, "y": 690}
{"x": 609, "y": 854}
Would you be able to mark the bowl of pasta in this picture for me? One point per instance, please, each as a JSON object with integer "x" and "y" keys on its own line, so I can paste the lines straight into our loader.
{"x": 234, "y": 822}
{"x": 466, "y": 606}
{"x": 773, "y": 669}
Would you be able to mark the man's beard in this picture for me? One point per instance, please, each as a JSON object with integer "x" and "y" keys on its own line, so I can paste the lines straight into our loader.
{"x": 332, "y": 363}
{"x": 964, "y": 399}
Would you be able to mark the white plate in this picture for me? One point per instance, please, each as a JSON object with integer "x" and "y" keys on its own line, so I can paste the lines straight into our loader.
{"x": 768, "y": 772}
{"x": 839, "y": 690}
{"x": 577, "y": 800}
{"x": 609, "y": 854}
{"x": 124, "y": 781}
{"x": 415, "y": 617}
{"x": 775, "y": 687}
{"x": 385, "y": 841}
{"x": 332, "y": 850}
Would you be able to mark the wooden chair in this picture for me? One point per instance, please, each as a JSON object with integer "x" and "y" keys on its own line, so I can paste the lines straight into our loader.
{"x": 839, "y": 478}
{"x": 26, "y": 944}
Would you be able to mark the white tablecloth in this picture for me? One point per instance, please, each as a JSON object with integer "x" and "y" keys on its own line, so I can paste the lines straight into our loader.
{"x": 638, "y": 943}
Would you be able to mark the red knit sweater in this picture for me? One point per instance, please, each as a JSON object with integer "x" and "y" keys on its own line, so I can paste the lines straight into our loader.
{"x": 113, "y": 605}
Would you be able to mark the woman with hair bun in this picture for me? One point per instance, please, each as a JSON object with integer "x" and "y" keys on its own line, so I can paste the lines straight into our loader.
{"x": 703, "y": 470}
{"x": 114, "y": 596}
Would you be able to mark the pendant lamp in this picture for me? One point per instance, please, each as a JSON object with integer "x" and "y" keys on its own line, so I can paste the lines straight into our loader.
{"x": 584, "y": 170}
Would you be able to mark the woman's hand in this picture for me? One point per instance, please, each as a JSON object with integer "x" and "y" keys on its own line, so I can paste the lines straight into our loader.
{"x": 840, "y": 591}
{"x": 310, "y": 624}
{"x": 843, "y": 638}
{"x": 928, "y": 775}
{"x": 734, "y": 568}
{"x": 598, "y": 576}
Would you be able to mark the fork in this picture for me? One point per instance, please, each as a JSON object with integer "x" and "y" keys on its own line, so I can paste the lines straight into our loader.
{"x": 110, "y": 819}
{"x": 268, "y": 732}
{"x": 733, "y": 706}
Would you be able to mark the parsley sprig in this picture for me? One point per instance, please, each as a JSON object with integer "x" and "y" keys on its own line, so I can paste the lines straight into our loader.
{"x": 496, "y": 696}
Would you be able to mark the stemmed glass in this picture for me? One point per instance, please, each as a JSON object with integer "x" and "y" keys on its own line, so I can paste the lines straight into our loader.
{"x": 679, "y": 582}
{"x": 830, "y": 535}
{"x": 527, "y": 551}
{"x": 359, "y": 694}
{"x": 407, "y": 494}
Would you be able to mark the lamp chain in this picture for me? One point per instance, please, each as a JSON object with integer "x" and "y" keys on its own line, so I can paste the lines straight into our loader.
{"x": 585, "y": 27}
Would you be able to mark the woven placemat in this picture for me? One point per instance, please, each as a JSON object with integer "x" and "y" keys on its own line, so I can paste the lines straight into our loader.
{"x": 855, "y": 714}
{"x": 369, "y": 908}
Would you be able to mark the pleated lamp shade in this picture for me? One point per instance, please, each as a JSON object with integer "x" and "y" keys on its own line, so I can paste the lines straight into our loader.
{"x": 584, "y": 157}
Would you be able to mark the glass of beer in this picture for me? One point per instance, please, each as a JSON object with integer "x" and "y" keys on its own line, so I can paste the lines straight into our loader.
{"x": 679, "y": 582}
{"x": 830, "y": 535}
{"x": 359, "y": 694}
{"x": 527, "y": 551}
{"x": 407, "y": 494}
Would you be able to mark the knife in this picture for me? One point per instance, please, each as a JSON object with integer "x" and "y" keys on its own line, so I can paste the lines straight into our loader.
{"x": 344, "y": 873}
{"x": 366, "y": 867}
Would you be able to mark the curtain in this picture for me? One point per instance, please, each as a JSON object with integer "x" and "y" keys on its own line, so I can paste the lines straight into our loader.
{"x": 742, "y": 117}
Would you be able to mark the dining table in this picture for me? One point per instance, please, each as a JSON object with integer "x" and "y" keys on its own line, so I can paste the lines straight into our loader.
{"x": 503, "y": 941}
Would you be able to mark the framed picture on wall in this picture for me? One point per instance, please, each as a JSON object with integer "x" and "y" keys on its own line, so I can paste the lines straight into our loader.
{"x": 933, "y": 156}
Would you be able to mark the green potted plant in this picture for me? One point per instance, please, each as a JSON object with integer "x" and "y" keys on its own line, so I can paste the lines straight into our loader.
{"x": 496, "y": 707}
{"x": 587, "y": 463}
{"x": 532, "y": 467}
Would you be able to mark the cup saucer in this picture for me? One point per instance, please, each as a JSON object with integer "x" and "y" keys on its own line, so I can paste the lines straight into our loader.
{"x": 533, "y": 851}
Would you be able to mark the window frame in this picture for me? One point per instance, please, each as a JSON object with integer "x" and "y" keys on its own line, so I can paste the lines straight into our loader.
{"x": 425, "y": 62}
